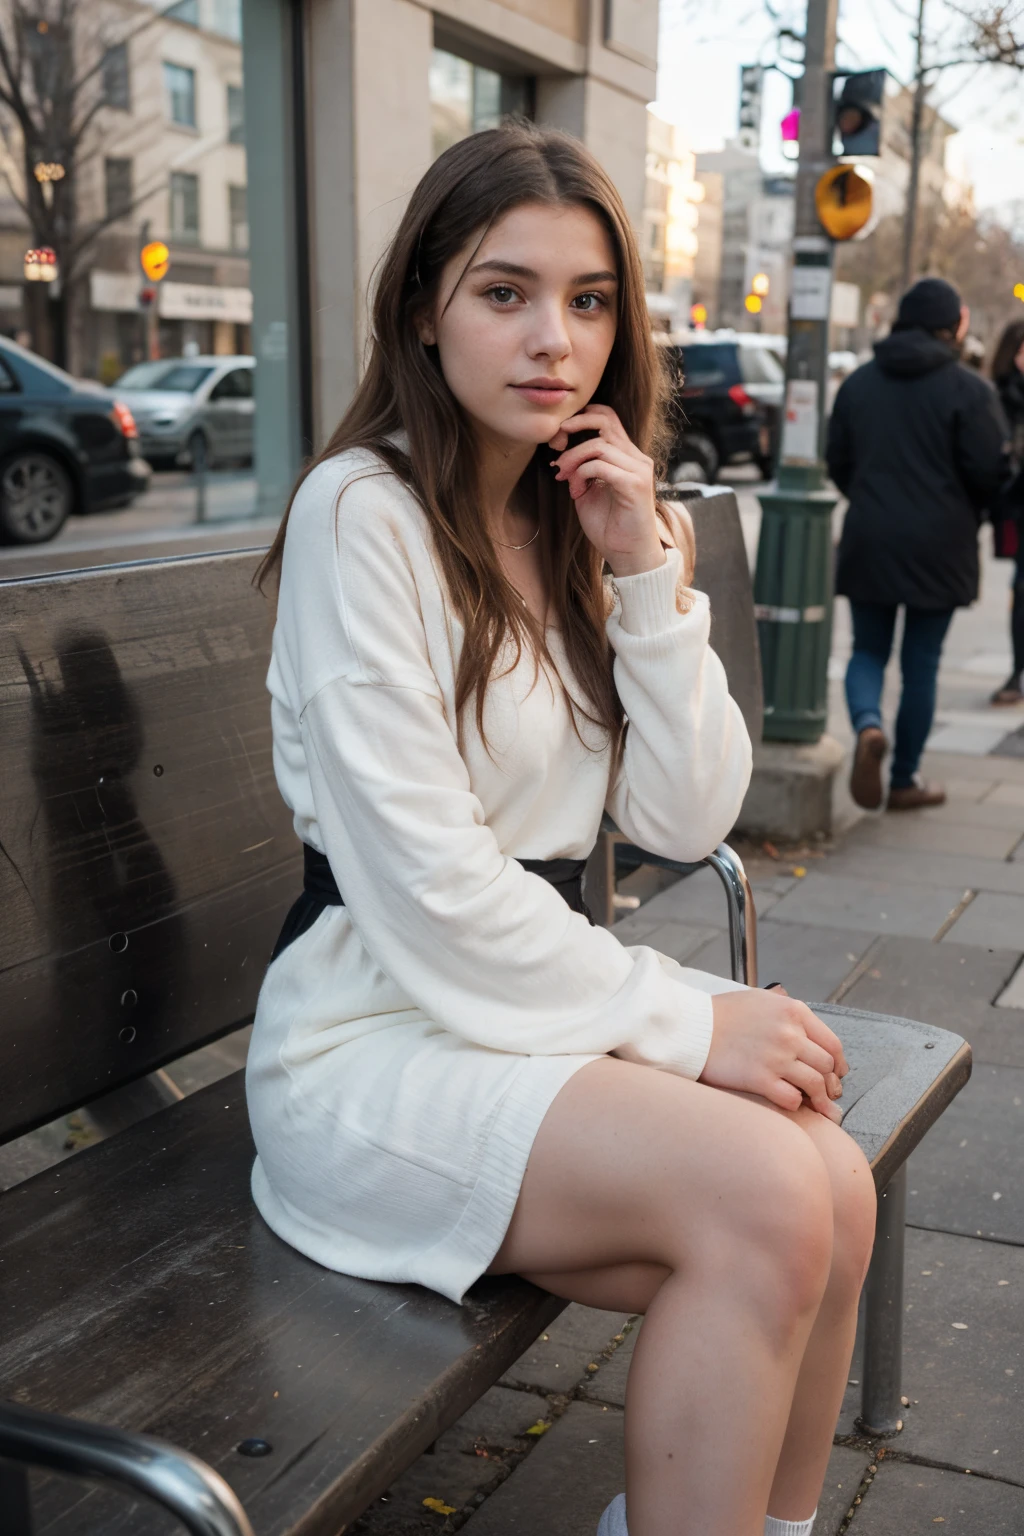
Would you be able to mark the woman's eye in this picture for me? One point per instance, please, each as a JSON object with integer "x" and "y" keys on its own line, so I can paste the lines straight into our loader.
{"x": 501, "y": 294}
{"x": 589, "y": 302}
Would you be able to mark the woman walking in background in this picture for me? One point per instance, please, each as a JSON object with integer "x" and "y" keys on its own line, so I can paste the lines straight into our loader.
{"x": 1008, "y": 377}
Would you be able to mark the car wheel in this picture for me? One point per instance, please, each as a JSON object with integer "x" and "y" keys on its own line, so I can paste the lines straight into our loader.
{"x": 198, "y": 450}
{"x": 696, "y": 462}
{"x": 36, "y": 497}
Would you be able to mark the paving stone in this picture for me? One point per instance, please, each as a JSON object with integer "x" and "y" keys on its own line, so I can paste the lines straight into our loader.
{"x": 559, "y": 1358}
{"x": 700, "y": 901}
{"x": 943, "y": 765}
{"x": 681, "y": 940}
{"x": 947, "y": 869}
{"x": 992, "y": 919}
{"x": 904, "y": 1500}
{"x": 966, "y": 1386}
{"x": 965, "y": 1175}
{"x": 827, "y": 900}
{"x": 1012, "y": 996}
{"x": 810, "y": 962}
{"x": 908, "y": 831}
{"x": 946, "y": 984}
{"x": 1006, "y": 794}
{"x": 577, "y": 1468}
{"x": 959, "y": 812}
{"x": 466, "y": 1461}
{"x": 846, "y": 1469}
{"x": 608, "y": 1385}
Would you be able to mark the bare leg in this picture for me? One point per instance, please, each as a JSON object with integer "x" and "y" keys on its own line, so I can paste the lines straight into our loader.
{"x": 733, "y": 1207}
{"x": 631, "y": 1288}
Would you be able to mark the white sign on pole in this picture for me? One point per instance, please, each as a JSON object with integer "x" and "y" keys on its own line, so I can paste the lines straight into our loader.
{"x": 812, "y": 288}
{"x": 845, "y": 304}
{"x": 800, "y": 428}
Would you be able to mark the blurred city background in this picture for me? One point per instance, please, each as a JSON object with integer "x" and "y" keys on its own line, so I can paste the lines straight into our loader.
{"x": 225, "y": 318}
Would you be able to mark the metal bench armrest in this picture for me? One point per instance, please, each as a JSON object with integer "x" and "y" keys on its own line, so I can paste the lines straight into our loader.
{"x": 181, "y": 1483}
{"x": 728, "y": 866}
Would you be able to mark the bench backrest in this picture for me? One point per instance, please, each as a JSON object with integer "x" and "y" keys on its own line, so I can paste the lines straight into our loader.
{"x": 146, "y": 858}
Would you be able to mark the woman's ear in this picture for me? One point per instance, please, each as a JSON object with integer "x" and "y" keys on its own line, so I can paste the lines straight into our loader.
{"x": 425, "y": 328}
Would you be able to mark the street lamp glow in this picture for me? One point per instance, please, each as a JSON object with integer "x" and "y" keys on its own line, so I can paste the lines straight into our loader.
{"x": 1018, "y": 291}
{"x": 759, "y": 284}
{"x": 40, "y": 265}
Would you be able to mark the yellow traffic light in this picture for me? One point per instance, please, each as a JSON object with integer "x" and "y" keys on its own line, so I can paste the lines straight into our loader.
{"x": 155, "y": 259}
{"x": 843, "y": 200}
{"x": 752, "y": 304}
{"x": 760, "y": 284}
{"x": 698, "y": 315}
{"x": 1018, "y": 291}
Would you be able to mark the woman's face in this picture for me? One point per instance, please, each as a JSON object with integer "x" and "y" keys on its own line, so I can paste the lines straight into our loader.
{"x": 524, "y": 333}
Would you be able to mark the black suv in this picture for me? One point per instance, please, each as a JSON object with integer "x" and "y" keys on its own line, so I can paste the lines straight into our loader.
{"x": 727, "y": 405}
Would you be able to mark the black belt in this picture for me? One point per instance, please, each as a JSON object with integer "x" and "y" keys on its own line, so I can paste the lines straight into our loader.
{"x": 320, "y": 890}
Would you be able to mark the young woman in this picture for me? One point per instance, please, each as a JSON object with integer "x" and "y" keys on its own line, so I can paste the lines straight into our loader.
{"x": 1008, "y": 377}
{"x": 454, "y": 1073}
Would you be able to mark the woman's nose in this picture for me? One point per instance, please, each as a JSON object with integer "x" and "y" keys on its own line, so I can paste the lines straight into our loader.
{"x": 549, "y": 336}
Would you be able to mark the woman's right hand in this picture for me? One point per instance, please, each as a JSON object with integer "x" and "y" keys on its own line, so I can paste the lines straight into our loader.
{"x": 770, "y": 1044}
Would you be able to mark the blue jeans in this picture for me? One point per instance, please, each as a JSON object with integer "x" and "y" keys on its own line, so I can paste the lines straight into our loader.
{"x": 923, "y": 634}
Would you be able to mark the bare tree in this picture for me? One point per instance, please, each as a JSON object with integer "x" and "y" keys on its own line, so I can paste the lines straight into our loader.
{"x": 55, "y": 60}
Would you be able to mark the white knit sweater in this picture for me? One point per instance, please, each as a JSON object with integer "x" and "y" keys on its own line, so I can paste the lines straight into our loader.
{"x": 451, "y": 973}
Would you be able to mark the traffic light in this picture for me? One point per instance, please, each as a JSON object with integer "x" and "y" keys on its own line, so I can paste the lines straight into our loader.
{"x": 698, "y": 316}
{"x": 843, "y": 200}
{"x": 858, "y": 113}
{"x": 752, "y": 304}
{"x": 147, "y": 297}
{"x": 1018, "y": 291}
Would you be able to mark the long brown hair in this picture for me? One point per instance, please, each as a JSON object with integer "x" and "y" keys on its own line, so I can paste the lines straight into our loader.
{"x": 1010, "y": 343}
{"x": 474, "y": 183}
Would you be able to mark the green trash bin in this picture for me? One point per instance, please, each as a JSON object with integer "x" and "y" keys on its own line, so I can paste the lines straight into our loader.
{"x": 793, "y": 603}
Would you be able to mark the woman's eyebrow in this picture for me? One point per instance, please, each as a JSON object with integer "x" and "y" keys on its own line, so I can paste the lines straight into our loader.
{"x": 512, "y": 269}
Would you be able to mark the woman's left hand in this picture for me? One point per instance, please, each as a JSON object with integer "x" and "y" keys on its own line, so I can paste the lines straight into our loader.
{"x": 612, "y": 486}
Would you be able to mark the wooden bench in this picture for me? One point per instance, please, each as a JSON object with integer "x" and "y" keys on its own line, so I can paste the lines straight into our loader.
{"x": 147, "y": 864}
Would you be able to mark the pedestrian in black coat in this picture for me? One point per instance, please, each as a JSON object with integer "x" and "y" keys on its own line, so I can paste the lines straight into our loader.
{"x": 918, "y": 445}
{"x": 1008, "y": 377}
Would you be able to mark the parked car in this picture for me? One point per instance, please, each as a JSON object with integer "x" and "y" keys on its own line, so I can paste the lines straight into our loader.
{"x": 728, "y": 400}
{"x": 66, "y": 445}
{"x": 192, "y": 410}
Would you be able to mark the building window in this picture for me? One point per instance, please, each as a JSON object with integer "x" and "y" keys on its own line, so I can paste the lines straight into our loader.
{"x": 118, "y": 180}
{"x": 116, "y": 92}
{"x": 184, "y": 206}
{"x": 186, "y": 11}
{"x": 464, "y": 98}
{"x": 236, "y": 115}
{"x": 225, "y": 17}
{"x": 238, "y": 218}
{"x": 180, "y": 84}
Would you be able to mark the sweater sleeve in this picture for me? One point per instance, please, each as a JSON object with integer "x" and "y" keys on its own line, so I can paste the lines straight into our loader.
{"x": 488, "y": 950}
{"x": 687, "y": 758}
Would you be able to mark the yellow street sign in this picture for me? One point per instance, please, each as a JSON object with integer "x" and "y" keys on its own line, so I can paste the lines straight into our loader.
{"x": 155, "y": 259}
{"x": 843, "y": 200}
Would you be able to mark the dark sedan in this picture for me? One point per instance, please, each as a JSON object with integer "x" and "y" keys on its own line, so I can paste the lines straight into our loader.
{"x": 65, "y": 446}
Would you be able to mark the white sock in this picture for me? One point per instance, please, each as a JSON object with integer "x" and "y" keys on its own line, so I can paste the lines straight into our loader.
{"x": 613, "y": 1521}
{"x": 773, "y": 1527}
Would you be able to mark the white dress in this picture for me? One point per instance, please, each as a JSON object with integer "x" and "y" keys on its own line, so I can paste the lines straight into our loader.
{"x": 408, "y": 1045}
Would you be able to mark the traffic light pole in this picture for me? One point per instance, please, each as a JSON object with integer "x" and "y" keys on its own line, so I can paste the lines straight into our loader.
{"x": 793, "y": 578}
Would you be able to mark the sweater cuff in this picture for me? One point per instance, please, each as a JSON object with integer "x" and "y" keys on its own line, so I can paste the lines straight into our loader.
{"x": 689, "y": 1054}
{"x": 647, "y": 602}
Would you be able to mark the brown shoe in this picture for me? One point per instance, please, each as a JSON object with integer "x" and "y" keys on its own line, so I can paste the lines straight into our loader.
{"x": 866, "y": 775}
{"x": 916, "y": 795}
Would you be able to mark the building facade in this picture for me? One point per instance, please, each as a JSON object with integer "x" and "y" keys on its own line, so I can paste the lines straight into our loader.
{"x": 669, "y": 239}
{"x": 756, "y": 237}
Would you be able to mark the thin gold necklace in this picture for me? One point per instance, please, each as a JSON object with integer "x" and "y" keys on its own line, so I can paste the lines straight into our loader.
{"x": 534, "y": 535}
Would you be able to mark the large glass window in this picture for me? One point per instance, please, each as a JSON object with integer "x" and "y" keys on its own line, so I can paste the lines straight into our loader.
{"x": 180, "y": 83}
{"x": 465, "y": 97}
{"x": 117, "y": 176}
{"x": 184, "y": 205}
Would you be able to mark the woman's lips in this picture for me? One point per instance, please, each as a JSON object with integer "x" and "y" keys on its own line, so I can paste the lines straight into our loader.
{"x": 543, "y": 394}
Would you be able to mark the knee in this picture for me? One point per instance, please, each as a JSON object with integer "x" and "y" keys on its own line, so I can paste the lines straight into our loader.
{"x": 782, "y": 1231}
{"x": 854, "y": 1207}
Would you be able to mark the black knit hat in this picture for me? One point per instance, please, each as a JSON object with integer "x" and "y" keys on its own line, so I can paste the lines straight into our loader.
{"x": 931, "y": 305}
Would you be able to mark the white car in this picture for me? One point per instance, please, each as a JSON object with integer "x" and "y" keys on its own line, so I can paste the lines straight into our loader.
{"x": 192, "y": 410}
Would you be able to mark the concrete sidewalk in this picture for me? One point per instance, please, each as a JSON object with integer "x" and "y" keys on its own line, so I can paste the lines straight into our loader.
{"x": 920, "y": 914}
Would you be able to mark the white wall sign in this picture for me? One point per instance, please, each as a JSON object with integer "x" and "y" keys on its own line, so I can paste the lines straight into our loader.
{"x": 845, "y": 304}
{"x": 812, "y": 287}
{"x": 800, "y": 428}
{"x": 201, "y": 301}
{"x": 114, "y": 291}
